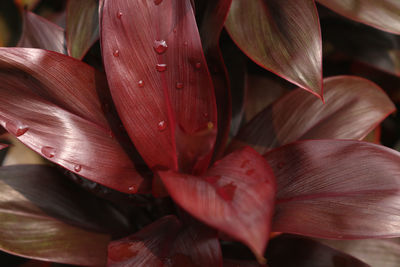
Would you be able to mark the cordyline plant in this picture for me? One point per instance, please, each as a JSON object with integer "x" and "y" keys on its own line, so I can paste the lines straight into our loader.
{"x": 146, "y": 127}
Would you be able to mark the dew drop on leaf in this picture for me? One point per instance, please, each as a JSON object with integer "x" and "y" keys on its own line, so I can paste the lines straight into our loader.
{"x": 119, "y": 14}
{"x": 161, "y": 67}
{"x": 77, "y": 168}
{"x": 197, "y": 65}
{"x": 162, "y": 125}
{"x": 17, "y": 129}
{"x": 227, "y": 192}
{"x": 116, "y": 53}
{"x": 48, "y": 151}
{"x": 141, "y": 83}
{"x": 179, "y": 85}
{"x": 157, "y": 2}
{"x": 132, "y": 188}
{"x": 160, "y": 46}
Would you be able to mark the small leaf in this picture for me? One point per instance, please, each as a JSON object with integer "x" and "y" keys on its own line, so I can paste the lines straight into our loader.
{"x": 354, "y": 107}
{"x": 281, "y": 36}
{"x": 340, "y": 189}
{"x": 82, "y": 26}
{"x": 235, "y": 196}
{"x": 382, "y": 14}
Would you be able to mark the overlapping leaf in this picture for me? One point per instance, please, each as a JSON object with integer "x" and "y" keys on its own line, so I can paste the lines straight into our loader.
{"x": 49, "y": 102}
{"x": 235, "y": 196}
{"x": 281, "y": 36}
{"x": 160, "y": 82}
{"x": 341, "y": 189}
{"x": 40, "y": 33}
{"x": 30, "y": 196}
{"x": 166, "y": 242}
{"x": 382, "y": 14}
{"x": 354, "y": 106}
{"x": 82, "y": 26}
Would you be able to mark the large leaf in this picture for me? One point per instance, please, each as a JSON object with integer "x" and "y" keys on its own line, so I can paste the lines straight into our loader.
{"x": 354, "y": 107}
{"x": 235, "y": 196}
{"x": 49, "y": 102}
{"x": 29, "y": 196}
{"x": 382, "y": 14}
{"x": 38, "y": 32}
{"x": 281, "y": 36}
{"x": 160, "y": 82}
{"x": 82, "y": 26}
{"x": 167, "y": 243}
{"x": 294, "y": 251}
{"x": 340, "y": 189}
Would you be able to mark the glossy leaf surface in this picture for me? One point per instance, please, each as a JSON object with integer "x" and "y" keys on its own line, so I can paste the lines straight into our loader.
{"x": 40, "y": 33}
{"x": 353, "y": 107}
{"x": 281, "y": 36}
{"x": 235, "y": 196}
{"x": 160, "y": 82}
{"x": 82, "y": 26}
{"x": 71, "y": 130}
{"x": 306, "y": 253}
{"x": 167, "y": 243}
{"x": 340, "y": 189}
{"x": 382, "y": 14}
{"x": 27, "y": 230}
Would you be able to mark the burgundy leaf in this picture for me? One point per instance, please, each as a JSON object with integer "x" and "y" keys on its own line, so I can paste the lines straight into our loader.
{"x": 293, "y": 251}
{"x": 235, "y": 196}
{"x": 26, "y": 230}
{"x": 82, "y": 26}
{"x": 215, "y": 13}
{"x": 354, "y": 107}
{"x": 160, "y": 81}
{"x": 164, "y": 243}
{"x": 340, "y": 189}
{"x": 382, "y": 14}
{"x": 40, "y": 33}
{"x": 281, "y": 36}
{"x": 49, "y": 102}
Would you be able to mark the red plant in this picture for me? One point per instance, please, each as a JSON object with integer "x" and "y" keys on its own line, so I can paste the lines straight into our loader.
{"x": 154, "y": 125}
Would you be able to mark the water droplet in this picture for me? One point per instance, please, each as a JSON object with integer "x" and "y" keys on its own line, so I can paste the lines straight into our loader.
{"x": 161, "y": 67}
{"x": 21, "y": 130}
{"x": 197, "y": 65}
{"x": 157, "y": 2}
{"x": 119, "y": 14}
{"x": 210, "y": 125}
{"x": 116, "y": 53}
{"x": 179, "y": 85}
{"x": 280, "y": 165}
{"x": 77, "y": 168}
{"x": 244, "y": 163}
{"x": 111, "y": 134}
{"x": 227, "y": 191}
{"x": 212, "y": 179}
{"x": 140, "y": 83}
{"x": 162, "y": 125}
{"x": 17, "y": 129}
{"x": 48, "y": 151}
{"x": 185, "y": 43}
{"x": 132, "y": 188}
{"x": 250, "y": 172}
{"x": 160, "y": 46}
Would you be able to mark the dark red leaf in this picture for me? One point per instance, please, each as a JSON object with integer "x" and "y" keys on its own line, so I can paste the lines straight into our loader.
{"x": 354, "y": 107}
{"x": 293, "y": 251}
{"x": 160, "y": 81}
{"x": 235, "y": 196}
{"x": 49, "y": 102}
{"x": 382, "y": 14}
{"x": 82, "y": 26}
{"x": 340, "y": 189}
{"x": 281, "y": 36}
{"x": 167, "y": 243}
{"x": 28, "y": 193}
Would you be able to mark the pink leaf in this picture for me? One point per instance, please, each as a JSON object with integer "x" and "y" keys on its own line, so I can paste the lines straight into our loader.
{"x": 281, "y": 36}
{"x": 160, "y": 82}
{"x": 235, "y": 196}
{"x": 340, "y": 189}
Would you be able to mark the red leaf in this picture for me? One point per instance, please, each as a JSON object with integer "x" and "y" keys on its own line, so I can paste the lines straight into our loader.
{"x": 354, "y": 107}
{"x": 281, "y": 36}
{"x": 235, "y": 196}
{"x": 166, "y": 242}
{"x": 41, "y": 33}
{"x": 339, "y": 189}
{"x": 382, "y": 14}
{"x": 160, "y": 82}
{"x": 82, "y": 26}
{"x": 53, "y": 108}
